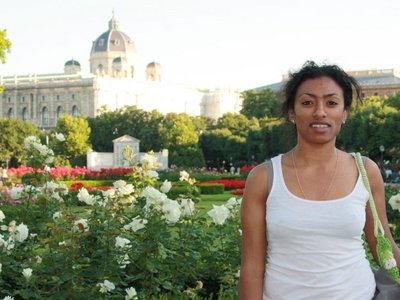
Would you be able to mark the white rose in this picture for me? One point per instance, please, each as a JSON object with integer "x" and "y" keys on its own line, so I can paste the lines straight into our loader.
{"x": 21, "y": 232}
{"x": 57, "y": 215}
{"x": 394, "y": 202}
{"x": 153, "y": 196}
{"x": 60, "y": 137}
{"x": 127, "y": 189}
{"x": 152, "y": 174}
{"x": 50, "y": 185}
{"x": 166, "y": 186}
{"x": 84, "y": 196}
{"x": 122, "y": 243}
{"x": 171, "y": 210}
{"x": 81, "y": 225}
{"x": 29, "y": 140}
{"x": 184, "y": 176}
{"x": 187, "y": 206}
{"x": 130, "y": 293}
{"x": 2, "y": 216}
{"x": 27, "y": 273}
{"x": 149, "y": 161}
{"x": 2, "y": 241}
{"x": 119, "y": 183}
{"x": 219, "y": 214}
{"x": 109, "y": 193}
{"x": 136, "y": 224}
{"x": 16, "y": 192}
{"x": 106, "y": 286}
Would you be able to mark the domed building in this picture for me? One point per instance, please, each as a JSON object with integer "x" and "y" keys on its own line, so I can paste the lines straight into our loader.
{"x": 115, "y": 80}
{"x": 72, "y": 67}
{"x": 113, "y": 53}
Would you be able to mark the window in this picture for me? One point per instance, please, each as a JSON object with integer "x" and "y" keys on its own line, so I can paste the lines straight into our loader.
{"x": 75, "y": 112}
{"x": 24, "y": 114}
{"x": 43, "y": 98}
{"x": 23, "y": 99}
{"x": 73, "y": 96}
{"x": 45, "y": 116}
{"x": 375, "y": 94}
{"x": 58, "y": 97}
{"x": 8, "y": 99}
{"x": 10, "y": 113}
{"x": 59, "y": 111}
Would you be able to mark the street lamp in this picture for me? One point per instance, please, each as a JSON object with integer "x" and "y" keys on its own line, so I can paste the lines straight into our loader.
{"x": 382, "y": 149}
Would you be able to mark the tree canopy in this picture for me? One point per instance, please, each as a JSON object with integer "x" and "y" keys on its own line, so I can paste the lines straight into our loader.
{"x": 261, "y": 104}
{"x": 76, "y": 131}
{"x": 13, "y": 133}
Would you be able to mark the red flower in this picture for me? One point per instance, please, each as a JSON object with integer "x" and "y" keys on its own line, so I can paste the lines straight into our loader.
{"x": 76, "y": 186}
{"x": 237, "y": 192}
{"x": 228, "y": 183}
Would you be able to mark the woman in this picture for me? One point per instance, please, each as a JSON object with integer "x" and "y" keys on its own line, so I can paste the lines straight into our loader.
{"x": 307, "y": 223}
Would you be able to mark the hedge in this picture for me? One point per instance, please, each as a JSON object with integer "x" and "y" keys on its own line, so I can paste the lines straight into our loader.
{"x": 211, "y": 188}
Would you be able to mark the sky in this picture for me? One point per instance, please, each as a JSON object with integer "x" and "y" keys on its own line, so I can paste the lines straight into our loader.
{"x": 240, "y": 44}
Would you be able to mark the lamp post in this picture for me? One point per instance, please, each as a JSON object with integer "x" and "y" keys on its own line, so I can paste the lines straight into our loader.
{"x": 382, "y": 149}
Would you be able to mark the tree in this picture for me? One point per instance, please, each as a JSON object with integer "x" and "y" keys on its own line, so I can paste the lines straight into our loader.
{"x": 237, "y": 124}
{"x": 129, "y": 120}
{"x": 13, "y": 133}
{"x": 180, "y": 138}
{"x": 5, "y": 46}
{"x": 213, "y": 143}
{"x": 76, "y": 131}
{"x": 259, "y": 104}
{"x": 394, "y": 101}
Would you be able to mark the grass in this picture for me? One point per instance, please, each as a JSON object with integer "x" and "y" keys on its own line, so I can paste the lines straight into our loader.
{"x": 218, "y": 199}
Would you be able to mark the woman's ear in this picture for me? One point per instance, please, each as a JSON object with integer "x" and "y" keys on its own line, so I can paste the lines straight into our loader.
{"x": 345, "y": 115}
{"x": 291, "y": 115}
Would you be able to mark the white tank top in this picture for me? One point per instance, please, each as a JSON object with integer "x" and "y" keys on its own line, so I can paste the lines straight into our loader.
{"x": 315, "y": 248}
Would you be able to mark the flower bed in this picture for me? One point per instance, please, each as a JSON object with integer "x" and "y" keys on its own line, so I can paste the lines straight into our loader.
{"x": 229, "y": 184}
{"x": 66, "y": 173}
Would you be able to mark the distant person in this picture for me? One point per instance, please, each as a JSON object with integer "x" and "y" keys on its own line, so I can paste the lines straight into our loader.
{"x": 304, "y": 212}
{"x": 4, "y": 175}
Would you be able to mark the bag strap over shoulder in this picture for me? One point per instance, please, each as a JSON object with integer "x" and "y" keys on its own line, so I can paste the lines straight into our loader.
{"x": 361, "y": 168}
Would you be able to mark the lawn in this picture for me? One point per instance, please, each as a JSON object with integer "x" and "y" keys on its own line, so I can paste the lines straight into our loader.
{"x": 218, "y": 199}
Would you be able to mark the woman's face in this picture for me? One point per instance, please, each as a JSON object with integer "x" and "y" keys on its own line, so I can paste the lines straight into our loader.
{"x": 318, "y": 110}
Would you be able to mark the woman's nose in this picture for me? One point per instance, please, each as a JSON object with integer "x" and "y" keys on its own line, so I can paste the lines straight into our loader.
{"x": 319, "y": 111}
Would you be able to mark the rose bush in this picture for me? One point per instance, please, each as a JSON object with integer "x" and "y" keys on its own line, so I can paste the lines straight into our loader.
{"x": 129, "y": 241}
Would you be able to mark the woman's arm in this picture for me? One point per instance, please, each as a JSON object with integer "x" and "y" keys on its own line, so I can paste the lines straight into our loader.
{"x": 253, "y": 248}
{"x": 378, "y": 192}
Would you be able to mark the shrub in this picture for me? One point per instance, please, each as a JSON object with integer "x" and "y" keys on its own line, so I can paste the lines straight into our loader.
{"x": 213, "y": 188}
{"x": 86, "y": 183}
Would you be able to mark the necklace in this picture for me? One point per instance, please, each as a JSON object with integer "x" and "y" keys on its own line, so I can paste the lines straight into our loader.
{"x": 330, "y": 183}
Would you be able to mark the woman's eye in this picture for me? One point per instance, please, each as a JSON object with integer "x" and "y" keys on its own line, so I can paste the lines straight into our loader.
{"x": 332, "y": 103}
{"x": 306, "y": 102}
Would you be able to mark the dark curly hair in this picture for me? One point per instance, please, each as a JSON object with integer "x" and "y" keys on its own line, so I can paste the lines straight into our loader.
{"x": 311, "y": 70}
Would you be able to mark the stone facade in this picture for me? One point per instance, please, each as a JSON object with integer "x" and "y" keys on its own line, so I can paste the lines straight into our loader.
{"x": 377, "y": 82}
{"x": 114, "y": 81}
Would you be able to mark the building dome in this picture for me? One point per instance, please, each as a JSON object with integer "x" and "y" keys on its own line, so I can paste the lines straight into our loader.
{"x": 72, "y": 67}
{"x": 109, "y": 46}
{"x": 113, "y": 40}
{"x": 153, "y": 71}
{"x": 72, "y": 62}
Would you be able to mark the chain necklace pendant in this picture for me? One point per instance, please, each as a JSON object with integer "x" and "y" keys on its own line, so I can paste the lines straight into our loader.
{"x": 330, "y": 183}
